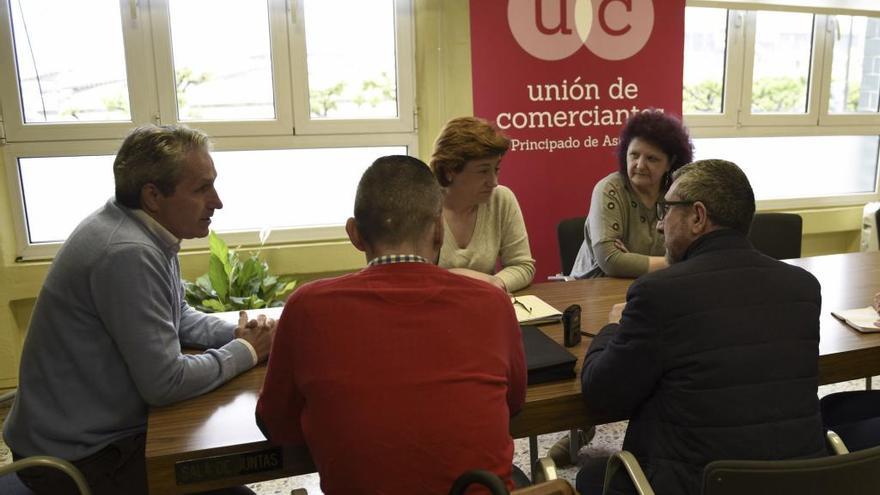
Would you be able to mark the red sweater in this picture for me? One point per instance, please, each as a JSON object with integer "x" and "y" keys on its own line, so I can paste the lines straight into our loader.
{"x": 398, "y": 378}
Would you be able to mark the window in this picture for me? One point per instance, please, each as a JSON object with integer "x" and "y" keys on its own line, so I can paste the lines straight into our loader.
{"x": 791, "y": 96}
{"x": 70, "y": 71}
{"x": 855, "y": 67}
{"x": 781, "y": 62}
{"x": 705, "y": 51}
{"x": 305, "y": 92}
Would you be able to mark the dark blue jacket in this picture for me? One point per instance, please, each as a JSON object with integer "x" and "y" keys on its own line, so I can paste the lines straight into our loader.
{"x": 715, "y": 357}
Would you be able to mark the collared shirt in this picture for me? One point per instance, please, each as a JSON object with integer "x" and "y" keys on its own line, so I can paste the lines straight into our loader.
{"x": 157, "y": 229}
{"x": 397, "y": 258}
{"x": 173, "y": 243}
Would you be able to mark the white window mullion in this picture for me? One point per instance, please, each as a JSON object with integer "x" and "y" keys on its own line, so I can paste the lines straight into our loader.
{"x": 819, "y": 77}
{"x": 143, "y": 93}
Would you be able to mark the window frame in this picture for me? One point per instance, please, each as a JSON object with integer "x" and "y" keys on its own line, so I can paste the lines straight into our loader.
{"x": 733, "y": 59}
{"x": 841, "y": 119}
{"x": 737, "y": 119}
{"x": 281, "y": 77}
{"x": 405, "y": 52}
{"x": 141, "y": 92}
{"x": 152, "y": 96}
{"x": 814, "y": 83}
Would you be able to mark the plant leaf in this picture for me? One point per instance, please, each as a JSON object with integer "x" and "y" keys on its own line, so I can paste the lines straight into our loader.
{"x": 219, "y": 279}
{"x": 213, "y": 305}
{"x": 249, "y": 269}
{"x": 221, "y": 250}
{"x": 286, "y": 289}
{"x": 204, "y": 282}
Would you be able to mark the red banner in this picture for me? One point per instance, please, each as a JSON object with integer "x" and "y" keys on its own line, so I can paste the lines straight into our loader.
{"x": 560, "y": 77}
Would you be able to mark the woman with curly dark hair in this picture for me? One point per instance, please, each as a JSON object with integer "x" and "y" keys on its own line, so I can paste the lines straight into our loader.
{"x": 620, "y": 234}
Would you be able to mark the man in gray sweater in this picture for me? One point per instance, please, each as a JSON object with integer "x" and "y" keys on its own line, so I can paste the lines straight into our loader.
{"x": 104, "y": 342}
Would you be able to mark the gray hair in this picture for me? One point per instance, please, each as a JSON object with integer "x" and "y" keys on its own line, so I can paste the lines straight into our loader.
{"x": 397, "y": 200}
{"x": 155, "y": 155}
{"x": 723, "y": 187}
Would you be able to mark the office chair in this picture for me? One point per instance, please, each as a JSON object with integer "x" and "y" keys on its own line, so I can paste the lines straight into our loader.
{"x": 15, "y": 487}
{"x": 777, "y": 235}
{"x": 496, "y": 486}
{"x": 877, "y": 224}
{"x": 855, "y": 416}
{"x": 569, "y": 236}
{"x": 856, "y": 473}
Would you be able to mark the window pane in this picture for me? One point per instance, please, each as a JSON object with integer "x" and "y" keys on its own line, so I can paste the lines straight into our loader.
{"x": 806, "y": 170}
{"x": 855, "y": 70}
{"x": 351, "y": 59}
{"x": 222, "y": 62}
{"x": 705, "y": 48}
{"x": 71, "y": 61}
{"x": 46, "y": 180}
{"x": 296, "y": 188}
{"x": 783, "y": 44}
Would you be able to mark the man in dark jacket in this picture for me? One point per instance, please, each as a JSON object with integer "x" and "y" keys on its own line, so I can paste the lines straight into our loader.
{"x": 715, "y": 357}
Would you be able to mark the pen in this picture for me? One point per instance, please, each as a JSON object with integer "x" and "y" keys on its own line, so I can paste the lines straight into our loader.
{"x": 517, "y": 301}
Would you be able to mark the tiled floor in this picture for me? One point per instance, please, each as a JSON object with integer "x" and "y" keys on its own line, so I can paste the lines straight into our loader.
{"x": 608, "y": 439}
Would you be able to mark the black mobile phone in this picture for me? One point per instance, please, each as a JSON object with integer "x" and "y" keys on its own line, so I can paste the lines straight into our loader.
{"x": 571, "y": 325}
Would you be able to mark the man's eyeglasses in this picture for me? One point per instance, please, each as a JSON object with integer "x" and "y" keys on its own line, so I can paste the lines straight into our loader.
{"x": 663, "y": 206}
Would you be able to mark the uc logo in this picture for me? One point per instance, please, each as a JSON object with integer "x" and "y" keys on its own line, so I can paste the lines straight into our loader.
{"x": 555, "y": 29}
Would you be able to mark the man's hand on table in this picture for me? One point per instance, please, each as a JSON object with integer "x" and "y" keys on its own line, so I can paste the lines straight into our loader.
{"x": 259, "y": 333}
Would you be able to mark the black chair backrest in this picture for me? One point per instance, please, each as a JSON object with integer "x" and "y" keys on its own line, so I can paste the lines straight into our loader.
{"x": 777, "y": 235}
{"x": 570, "y": 236}
{"x": 856, "y": 473}
{"x": 877, "y": 224}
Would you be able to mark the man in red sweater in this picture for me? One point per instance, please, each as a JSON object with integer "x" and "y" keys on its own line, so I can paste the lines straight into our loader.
{"x": 401, "y": 376}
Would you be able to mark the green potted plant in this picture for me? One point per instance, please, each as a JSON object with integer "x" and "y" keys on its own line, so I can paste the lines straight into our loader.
{"x": 233, "y": 283}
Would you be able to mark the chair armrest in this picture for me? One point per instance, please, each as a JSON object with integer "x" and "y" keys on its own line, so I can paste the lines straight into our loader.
{"x": 544, "y": 470}
{"x": 836, "y": 443}
{"x": 50, "y": 462}
{"x": 632, "y": 467}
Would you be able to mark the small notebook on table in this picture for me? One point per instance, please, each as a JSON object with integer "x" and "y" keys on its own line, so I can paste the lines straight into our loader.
{"x": 861, "y": 319}
{"x": 546, "y": 359}
{"x": 533, "y": 310}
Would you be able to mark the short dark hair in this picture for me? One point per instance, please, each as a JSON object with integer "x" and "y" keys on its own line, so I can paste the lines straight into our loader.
{"x": 462, "y": 140}
{"x": 153, "y": 154}
{"x": 397, "y": 200}
{"x": 660, "y": 130}
{"x": 723, "y": 187}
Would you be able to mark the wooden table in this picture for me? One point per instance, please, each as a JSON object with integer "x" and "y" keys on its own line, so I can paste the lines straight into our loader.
{"x": 212, "y": 441}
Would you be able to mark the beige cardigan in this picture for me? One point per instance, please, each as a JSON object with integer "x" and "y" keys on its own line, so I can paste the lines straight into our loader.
{"x": 499, "y": 232}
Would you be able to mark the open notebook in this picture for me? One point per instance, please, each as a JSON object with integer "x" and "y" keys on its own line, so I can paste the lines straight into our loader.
{"x": 533, "y": 310}
{"x": 862, "y": 319}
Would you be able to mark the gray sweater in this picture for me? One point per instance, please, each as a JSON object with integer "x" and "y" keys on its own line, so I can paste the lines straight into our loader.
{"x": 104, "y": 342}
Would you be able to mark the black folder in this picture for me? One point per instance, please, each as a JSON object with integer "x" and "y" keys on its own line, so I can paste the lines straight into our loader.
{"x": 546, "y": 359}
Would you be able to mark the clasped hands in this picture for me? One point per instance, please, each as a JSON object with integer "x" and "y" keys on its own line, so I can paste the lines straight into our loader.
{"x": 258, "y": 332}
